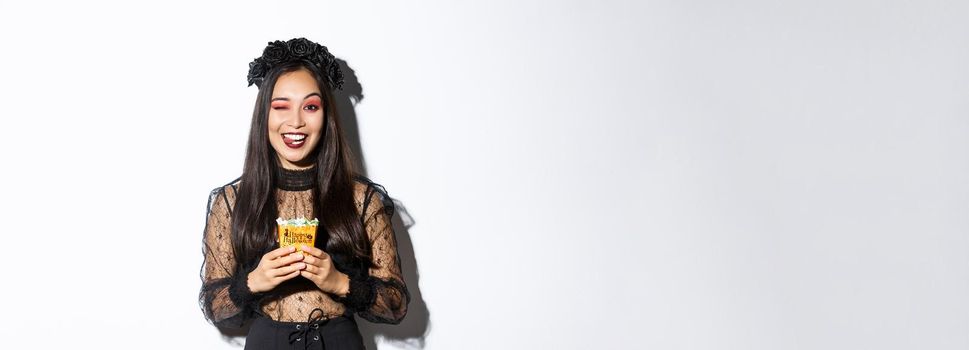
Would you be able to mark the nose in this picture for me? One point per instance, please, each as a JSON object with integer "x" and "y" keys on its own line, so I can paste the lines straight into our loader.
{"x": 297, "y": 120}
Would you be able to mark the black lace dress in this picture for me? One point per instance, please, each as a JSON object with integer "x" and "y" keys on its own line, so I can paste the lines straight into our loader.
{"x": 376, "y": 294}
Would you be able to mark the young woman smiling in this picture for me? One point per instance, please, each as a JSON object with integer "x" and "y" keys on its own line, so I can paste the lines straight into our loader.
{"x": 298, "y": 165}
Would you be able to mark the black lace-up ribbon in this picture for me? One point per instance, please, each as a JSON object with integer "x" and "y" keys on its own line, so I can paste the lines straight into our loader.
{"x": 310, "y": 331}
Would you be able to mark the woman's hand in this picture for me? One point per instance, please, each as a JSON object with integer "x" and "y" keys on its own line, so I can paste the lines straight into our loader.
{"x": 320, "y": 270}
{"x": 274, "y": 268}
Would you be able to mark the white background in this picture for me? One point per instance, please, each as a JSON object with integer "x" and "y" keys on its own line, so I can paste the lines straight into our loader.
{"x": 602, "y": 174}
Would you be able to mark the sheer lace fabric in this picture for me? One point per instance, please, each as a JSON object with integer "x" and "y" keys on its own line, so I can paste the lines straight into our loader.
{"x": 377, "y": 294}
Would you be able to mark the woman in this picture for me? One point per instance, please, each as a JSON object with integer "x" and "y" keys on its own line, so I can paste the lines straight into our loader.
{"x": 298, "y": 165}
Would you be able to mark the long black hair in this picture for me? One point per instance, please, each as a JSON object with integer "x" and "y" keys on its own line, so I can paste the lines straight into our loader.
{"x": 254, "y": 217}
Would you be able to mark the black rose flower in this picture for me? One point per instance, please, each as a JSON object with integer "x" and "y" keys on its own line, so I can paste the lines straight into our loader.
{"x": 275, "y": 52}
{"x": 324, "y": 59}
{"x": 297, "y": 49}
{"x": 336, "y": 76}
{"x": 301, "y": 47}
{"x": 257, "y": 71}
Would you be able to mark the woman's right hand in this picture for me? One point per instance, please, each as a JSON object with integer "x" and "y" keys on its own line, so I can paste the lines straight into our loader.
{"x": 274, "y": 268}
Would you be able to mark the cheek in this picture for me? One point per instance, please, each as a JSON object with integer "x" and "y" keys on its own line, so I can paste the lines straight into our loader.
{"x": 274, "y": 121}
{"x": 317, "y": 128}
{"x": 273, "y": 124}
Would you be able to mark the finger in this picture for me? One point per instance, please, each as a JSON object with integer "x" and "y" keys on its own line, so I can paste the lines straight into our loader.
{"x": 288, "y": 276}
{"x": 310, "y": 260}
{"x": 279, "y": 252}
{"x": 315, "y": 270}
{"x": 319, "y": 259}
{"x": 314, "y": 251}
{"x": 286, "y": 270}
{"x": 309, "y": 276}
{"x": 286, "y": 260}
{"x": 292, "y": 258}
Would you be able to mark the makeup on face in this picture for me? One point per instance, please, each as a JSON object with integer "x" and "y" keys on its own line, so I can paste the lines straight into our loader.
{"x": 311, "y": 104}
{"x": 296, "y": 117}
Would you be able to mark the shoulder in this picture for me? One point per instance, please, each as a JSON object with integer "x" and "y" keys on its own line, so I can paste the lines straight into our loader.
{"x": 223, "y": 195}
{"x": 371, "y": 196}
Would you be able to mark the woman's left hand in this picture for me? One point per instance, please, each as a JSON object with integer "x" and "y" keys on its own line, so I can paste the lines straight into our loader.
{"x": 320, "y": 270}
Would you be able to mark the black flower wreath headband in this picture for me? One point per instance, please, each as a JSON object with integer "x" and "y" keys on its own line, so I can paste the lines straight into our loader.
{"x": 299, "y": 49}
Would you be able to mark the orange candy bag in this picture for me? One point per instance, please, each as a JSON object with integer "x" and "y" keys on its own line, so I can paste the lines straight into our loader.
{"x": 295, "y": 232}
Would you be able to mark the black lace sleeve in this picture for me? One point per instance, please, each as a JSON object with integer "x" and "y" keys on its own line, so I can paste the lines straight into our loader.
{"x": 380, "y": 296}
{"x": 225, "y": 298}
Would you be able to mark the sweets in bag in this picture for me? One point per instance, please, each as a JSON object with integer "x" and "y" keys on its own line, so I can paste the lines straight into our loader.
{"x": 295, "y": 232}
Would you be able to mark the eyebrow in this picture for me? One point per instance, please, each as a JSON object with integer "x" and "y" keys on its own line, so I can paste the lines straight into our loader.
{"x": 307, "y": 96}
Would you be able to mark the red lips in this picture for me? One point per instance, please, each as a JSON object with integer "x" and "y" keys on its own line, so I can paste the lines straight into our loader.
{"x": 294, "y": 139}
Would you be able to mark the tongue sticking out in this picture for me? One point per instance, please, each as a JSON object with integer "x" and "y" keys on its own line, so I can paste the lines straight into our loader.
{"x": 293, "y": 143}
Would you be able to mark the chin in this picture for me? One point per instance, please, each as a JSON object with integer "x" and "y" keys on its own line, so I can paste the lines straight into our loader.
{"x": 297, "y": 157}
{"x": 297, "y": 160}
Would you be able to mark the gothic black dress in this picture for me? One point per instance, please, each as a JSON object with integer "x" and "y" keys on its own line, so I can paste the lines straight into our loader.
{"x": 297, "y": 314}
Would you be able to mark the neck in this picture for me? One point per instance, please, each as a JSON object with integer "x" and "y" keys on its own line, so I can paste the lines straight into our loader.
{"x": 295, "y": 179}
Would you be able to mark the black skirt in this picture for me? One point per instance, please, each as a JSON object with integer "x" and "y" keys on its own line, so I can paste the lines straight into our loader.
{"x": 339, "y": 333}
